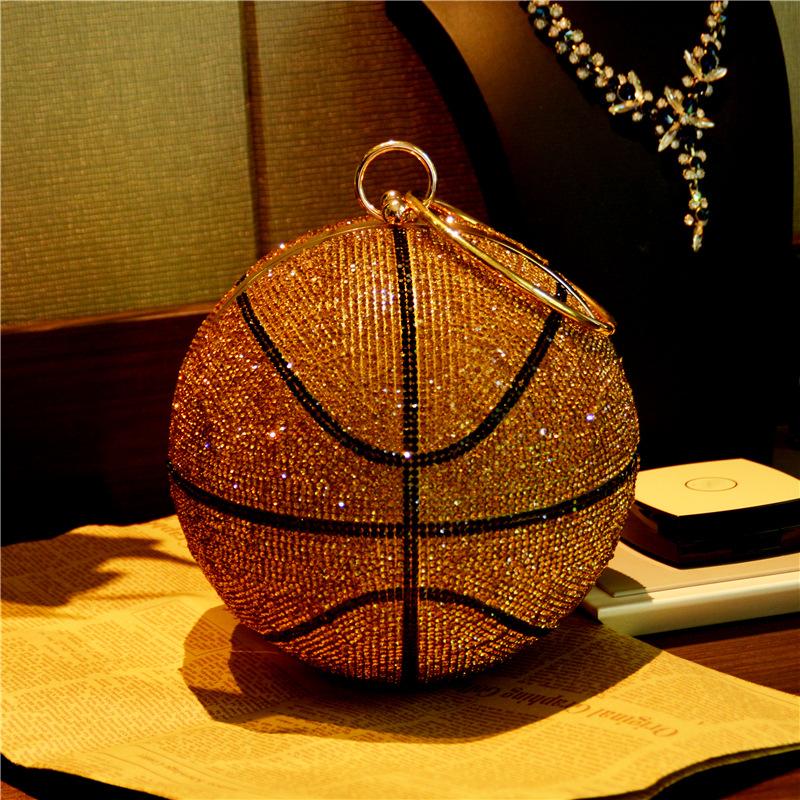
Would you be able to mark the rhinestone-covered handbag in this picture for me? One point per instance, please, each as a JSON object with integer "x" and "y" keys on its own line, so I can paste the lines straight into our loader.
{"x": 402, "y": 447}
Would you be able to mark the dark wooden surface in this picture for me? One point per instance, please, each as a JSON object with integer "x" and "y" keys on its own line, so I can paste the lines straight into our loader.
{"x": 85, "y": 418}
{"x": 765, "y": 651}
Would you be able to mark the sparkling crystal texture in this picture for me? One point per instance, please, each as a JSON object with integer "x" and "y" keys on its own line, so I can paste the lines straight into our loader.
{"x": 391, "y": 462}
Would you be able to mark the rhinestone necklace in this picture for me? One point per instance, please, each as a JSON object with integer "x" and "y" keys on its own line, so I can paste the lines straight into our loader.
{"x": 678, "y": 119}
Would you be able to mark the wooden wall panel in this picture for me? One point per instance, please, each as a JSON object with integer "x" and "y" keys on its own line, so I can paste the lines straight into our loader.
{"x": 85, "y": 418}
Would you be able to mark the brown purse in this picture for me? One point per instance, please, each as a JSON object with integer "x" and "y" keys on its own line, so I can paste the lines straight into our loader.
{"x": 402, "y": 447}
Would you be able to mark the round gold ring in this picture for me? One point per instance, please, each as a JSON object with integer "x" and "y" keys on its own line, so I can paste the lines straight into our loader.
{"x": 594, "y": 315}
{"x": 389, "y": 147}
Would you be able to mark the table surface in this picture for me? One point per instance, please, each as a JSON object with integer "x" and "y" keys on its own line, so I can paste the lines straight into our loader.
{"x": 763, "y": 651}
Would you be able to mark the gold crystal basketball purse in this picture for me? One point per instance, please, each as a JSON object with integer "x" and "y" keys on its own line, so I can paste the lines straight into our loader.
{"x": 402, "y": 447}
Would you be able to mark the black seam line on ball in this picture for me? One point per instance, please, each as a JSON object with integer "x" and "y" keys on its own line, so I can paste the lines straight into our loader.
{"x": 423, "y": 593}
{"x": 425, "y": 530}
{"x": 510, "y": 621}
{"x": 408, "y": 343}
{"x": 519, "y": 384}
{"x": 329, "y": 615}
{"x": 535, "y": 515}
{"x": 305, "y": 398}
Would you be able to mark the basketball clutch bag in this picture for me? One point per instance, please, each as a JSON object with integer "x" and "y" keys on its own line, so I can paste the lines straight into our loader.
{"x": 402, "y": 447}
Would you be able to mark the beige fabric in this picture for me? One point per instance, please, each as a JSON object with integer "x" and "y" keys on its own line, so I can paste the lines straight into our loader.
{"x": 125, "y": 163}
{"x": 127, "y": 174}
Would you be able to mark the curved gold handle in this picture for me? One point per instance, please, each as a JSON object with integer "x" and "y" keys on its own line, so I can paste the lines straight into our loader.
{"x": 593, "y": 316}
{"x": 400, "y": 209}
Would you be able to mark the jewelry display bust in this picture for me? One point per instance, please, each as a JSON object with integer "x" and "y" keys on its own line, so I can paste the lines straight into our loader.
{"x": 704, "y": 335}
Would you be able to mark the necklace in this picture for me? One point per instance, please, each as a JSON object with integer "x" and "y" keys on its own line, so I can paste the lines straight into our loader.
{"x": 678, "y": 119}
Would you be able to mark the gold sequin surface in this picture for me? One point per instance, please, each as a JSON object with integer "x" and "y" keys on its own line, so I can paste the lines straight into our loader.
{"x": 392, "y": 463}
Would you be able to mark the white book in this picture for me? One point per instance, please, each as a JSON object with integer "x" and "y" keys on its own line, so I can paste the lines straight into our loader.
{"x": 637, "y": 594}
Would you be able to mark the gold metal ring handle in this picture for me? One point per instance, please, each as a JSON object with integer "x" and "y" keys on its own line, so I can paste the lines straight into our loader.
{"x": 593, "y": 316}
{"x": 390, "y": 147}
{"x": 472, "y": 225}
